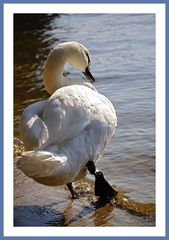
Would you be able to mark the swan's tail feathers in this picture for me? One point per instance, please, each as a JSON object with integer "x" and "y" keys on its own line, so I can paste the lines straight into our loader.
{"x": 43, "y": 167}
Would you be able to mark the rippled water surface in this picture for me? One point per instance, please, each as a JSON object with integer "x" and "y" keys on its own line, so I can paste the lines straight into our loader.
{"x": 122, "y": 48}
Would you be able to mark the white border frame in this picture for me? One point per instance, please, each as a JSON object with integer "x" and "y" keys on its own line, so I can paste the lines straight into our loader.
{"x": 159, "y": 10}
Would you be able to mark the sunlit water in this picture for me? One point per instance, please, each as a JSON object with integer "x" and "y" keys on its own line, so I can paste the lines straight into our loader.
{"x": 122, "y": 48}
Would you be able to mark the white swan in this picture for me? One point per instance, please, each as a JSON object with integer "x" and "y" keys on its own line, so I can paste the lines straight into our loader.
{"x": 69, "y": 131}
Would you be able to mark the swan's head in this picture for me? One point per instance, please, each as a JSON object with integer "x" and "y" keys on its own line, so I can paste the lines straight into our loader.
{"x": 78, "y": 56}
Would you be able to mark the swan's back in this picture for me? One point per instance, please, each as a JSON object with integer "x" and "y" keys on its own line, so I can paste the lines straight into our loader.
{"x": 68, "y": 130}
{"x": 72, "y": 109}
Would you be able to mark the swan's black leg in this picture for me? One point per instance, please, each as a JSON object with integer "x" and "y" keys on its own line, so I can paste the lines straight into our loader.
{"x": 102, "y": 188}
{"x": 91, "y": 167}
{"x": 70, "y": 187}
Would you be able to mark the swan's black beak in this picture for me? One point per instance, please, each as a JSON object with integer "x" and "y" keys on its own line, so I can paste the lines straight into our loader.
{"x": 88, "y": 75}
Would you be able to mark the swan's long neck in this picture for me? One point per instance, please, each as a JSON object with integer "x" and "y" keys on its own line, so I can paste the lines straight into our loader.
{"x": 53, "y": 70}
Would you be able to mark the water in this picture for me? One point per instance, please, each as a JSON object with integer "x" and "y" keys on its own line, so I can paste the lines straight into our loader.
{"x": 122, "y": 48}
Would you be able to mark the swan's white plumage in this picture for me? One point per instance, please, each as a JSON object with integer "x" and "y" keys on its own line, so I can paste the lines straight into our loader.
{"x": 65, "y": 131}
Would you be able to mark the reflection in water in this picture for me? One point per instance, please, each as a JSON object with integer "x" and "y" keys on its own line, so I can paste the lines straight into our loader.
{"x": 102, "y": 215}
{"x": 38, "y": 216}
{"x": 29, "y": 58}
{"x": 117, "y": 52}
{"x": 134, "y": 207}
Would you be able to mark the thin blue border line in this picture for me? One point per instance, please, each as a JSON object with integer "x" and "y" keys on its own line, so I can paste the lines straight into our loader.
{"x": 167, "y": 118}
{"x": 2, "y": 123}
{"x": 1, "y": 120}
{"x": 167, "y": 99}
{"x": 87, "y": 1}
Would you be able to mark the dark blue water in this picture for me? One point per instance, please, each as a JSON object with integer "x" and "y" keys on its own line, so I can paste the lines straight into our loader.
{"x": 122, "y": 49}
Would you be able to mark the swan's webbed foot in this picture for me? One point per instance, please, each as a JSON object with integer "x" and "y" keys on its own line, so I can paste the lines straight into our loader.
{"x": 74, "y": 194}
{"x": 102, "y": 188}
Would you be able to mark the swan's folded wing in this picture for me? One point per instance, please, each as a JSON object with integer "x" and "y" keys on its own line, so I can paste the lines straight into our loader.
{"x": 66, "y": 114}
{"x": 34, "y": 132}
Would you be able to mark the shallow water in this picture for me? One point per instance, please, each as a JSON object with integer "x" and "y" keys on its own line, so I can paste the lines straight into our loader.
{"x": 122, "y": 48}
